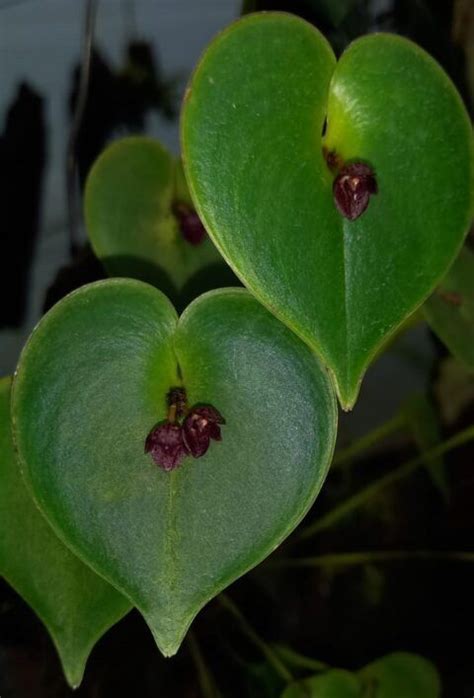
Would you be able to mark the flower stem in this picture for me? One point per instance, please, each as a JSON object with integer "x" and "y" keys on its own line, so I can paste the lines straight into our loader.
{"x": 364, "y": 495}
{"x": 270, "y": 655}
{"x": 374, "y": 556}
{"x": 361, "y": 445}
{"x": 206, "y": 682}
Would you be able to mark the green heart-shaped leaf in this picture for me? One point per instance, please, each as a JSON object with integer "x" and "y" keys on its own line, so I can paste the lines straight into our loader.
{"x": 253, "y": 151}
{"x": 76, "y": 605}
{"x": 92, "y": 382}
{"x": 450, "y": 310}
{"x": 130, "y": 209}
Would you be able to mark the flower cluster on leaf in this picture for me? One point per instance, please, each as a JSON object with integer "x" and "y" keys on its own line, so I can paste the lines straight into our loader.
{"x": 186, "y": 432}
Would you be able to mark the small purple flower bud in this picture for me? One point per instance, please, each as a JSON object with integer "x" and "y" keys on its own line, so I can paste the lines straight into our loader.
{"x": 189, "y": 222}
{"x": 166, "y": 445}
{"x": 200, "y": 426}
{"x": 352, "y": 189}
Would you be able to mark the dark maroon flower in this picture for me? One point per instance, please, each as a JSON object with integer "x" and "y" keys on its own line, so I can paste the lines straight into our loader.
{"x": 189, "y": 222}
{"x": 352, "y": 189}
{"x": 166, "y": 446}
{"x": 200, "y": 426}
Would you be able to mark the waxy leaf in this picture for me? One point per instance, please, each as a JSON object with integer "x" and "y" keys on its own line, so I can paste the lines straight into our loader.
{"x": 134, "y": 195}
{"x": 76, "y": 606}
{"x": 269, "y": 121}
{"x": 450, "y": 310}
{"x": 91, "y": 384}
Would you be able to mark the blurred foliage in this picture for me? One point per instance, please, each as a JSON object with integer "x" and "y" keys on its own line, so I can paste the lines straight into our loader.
{"x": 118, "y": 100}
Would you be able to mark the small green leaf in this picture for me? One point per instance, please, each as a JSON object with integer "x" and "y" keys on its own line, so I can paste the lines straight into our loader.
{"x": 129, "y": 199}
{"x": 397, "y": 675}
{"x": 450, "y": 310}
{"x": 335, "y": 683}
{"x": 92, "y": 382}
{"x": 400, "y": 675}
{"x": 76, "y": 605}
{"x": 253, "y": 148}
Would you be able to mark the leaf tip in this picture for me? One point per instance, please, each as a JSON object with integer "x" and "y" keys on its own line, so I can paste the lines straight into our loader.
{"x": 169, "y": 643}
{"x": 347, "y": 392}
{"x": 73, "y": 670}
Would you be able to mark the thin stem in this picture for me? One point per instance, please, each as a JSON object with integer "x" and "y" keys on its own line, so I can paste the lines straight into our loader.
{"x": 81, "y": 101}
{"x": 266, "y": 650}
{"x": 360, "y": 498}
{"x": 299, "y": 661}
{"x": 206, "y": 682}
{"x": 368, "y": 440}
{"x": 362, "y": 558}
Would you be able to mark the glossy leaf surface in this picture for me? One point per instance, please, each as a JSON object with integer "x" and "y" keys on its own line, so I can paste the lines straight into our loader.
{"x": 76, "y": 605}
{"x": 92, "y": 382}
{"x": 261, "y": 174}
{"x": 450, "y": 310}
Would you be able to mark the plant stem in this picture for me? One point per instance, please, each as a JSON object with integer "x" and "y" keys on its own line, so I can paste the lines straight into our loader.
{"x": 206, "y": 682}
{"x": 364, "y": 495}
{"x": 299, "y": 661}
{"x": 361, "y": 445}
{"x": 270, "y": 655}
{"x": 374, "y": 556}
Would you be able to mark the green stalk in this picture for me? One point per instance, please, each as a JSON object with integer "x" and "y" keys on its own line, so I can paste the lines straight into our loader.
{"x": 374, "y": 556}
{"x": 363, "y": 444}
{"x": 270, "y": 655}
{"x": 206, "y": 682}
{"x": 360, "y": 498}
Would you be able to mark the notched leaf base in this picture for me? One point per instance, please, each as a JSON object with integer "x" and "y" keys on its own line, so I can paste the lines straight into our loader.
{"x": 96, "y": 373}
{"x": 359, "y": 263}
